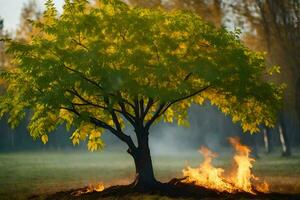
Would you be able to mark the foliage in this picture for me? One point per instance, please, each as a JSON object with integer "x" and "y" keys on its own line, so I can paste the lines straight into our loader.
{"x": 273, "y": 26}
{"x": 98, "y": 65}
{"x": 29, "y": 12}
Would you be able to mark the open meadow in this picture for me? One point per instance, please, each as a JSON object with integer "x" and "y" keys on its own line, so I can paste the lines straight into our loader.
{"x": 26, "y": 174}
{"x": 153, "y": 80}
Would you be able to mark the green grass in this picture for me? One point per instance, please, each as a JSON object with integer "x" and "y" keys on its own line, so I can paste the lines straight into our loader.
{"x": 25, "y": 174}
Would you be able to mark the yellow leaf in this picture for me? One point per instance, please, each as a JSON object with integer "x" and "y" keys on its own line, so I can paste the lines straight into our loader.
{"x": 169, "y": 114}
{"x": 95, "y": 134}
{"x": 75, "y": 141}
{"x": 44, "y": 138}
{"x": 110, "y": 122}
{"x": 199, "y": 100}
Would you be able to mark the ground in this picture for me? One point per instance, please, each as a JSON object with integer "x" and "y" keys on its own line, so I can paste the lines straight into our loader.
{"x": 27, "y": 174}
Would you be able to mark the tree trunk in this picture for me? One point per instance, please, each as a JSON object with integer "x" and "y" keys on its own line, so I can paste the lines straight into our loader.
{"x": 255, "y": 149}
{"x": 286, "y": 149}
{"x": 267, "y": 140}
{"x": 145, "y": 179}
{"x": 298, "y": 101}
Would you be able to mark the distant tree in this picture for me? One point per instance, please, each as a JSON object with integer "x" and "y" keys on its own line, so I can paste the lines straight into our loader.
{"x": 212, "y": 11}
{"x": 29, "y": 12}
{"x": 2, "y": 55}
{"x": 100, "y": 67}
{"x": 273, "y": 26}
{"x": 267, "y": 137}
{"x": 146, "y": 4}
{"x": 298, "y": 99}
{"x": 6, "y": 137}
{"x": 23, "y": 31}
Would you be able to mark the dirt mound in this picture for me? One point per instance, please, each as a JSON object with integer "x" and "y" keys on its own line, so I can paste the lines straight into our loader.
{"x": 173, "y": 189}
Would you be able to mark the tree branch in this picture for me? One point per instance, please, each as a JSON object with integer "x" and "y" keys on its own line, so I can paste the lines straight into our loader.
{"x": 136, "y": 109}
{"x": 141, "y": 107}
{"x": 114, "y": 116}
{"x": 187, "y": 76}
{"x": 155, "y": 116}
{"x": 123, "y": 137}
{"x": 88, "y": 103}
{"x": 127, "y": 115}
{"x": 164, "y": 107}
{"x": 157, "y": 53}
{"x": 185, "y": 97}
{"x": 84, "y": 77}
{"x": 75, "y": 71}
{"x": 75, "y": 93}
{"x": 116, "y": 121}
{"x": 80, "y": 44}
{"x": 70, "y": 109}
{"x": 119, "y": 134}
{"x": 148, "y": 106}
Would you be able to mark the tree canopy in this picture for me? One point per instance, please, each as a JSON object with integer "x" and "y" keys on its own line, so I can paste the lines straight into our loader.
{"x": 96, "y": 66}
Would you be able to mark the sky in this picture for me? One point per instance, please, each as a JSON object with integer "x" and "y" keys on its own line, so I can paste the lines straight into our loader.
{"x": 10, "y": 11}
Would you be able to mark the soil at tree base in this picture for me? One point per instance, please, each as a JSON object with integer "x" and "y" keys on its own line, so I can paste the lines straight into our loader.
{"x": 173, "y": 189}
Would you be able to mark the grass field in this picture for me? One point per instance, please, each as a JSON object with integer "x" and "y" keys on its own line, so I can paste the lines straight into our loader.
{"x": 32, "y": 173}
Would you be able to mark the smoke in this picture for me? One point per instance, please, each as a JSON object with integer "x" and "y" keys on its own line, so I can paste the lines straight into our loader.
{"x": 208, "y": 127}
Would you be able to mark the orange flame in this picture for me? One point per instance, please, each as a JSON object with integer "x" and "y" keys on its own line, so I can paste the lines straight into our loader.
{"x": 91, "y": 188}
{"x": 206, "y": 174}
{"x": 241, "y": 178}
{"x": 96, "y": 188}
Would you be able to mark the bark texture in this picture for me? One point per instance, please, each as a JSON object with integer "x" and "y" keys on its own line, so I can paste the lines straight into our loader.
{"x": 145, "y": 179}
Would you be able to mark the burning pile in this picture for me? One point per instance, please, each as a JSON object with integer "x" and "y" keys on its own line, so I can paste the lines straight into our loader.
{"x": 91, "y": 188}
{"x": 240, "y": 180}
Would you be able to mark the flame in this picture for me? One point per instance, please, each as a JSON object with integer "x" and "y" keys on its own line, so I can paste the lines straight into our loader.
{"x": 96, "y": 188}
{"x": 89, "y": 189}
{"x": 206, "y": 174}
{"x": 240, "y": 178}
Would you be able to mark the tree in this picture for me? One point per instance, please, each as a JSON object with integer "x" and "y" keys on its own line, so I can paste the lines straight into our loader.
{"x": 102, "y": 66}
{"x": 2, "y": 60}
{"x": 146, "y": 4}
{"x": 267, "y": 137}
{"x": 24, "y": 30}
{"x": 274, "y": 27}
{"x": 212, "y": 11}
{"x": 29, "y": 12}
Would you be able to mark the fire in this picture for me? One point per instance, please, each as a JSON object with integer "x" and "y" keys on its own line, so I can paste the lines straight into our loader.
{"x": 91, "y": 188}
{"x": 206, "y": 174}
{"x": 240, "y": 179}
{"x": 96, "y": 188}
